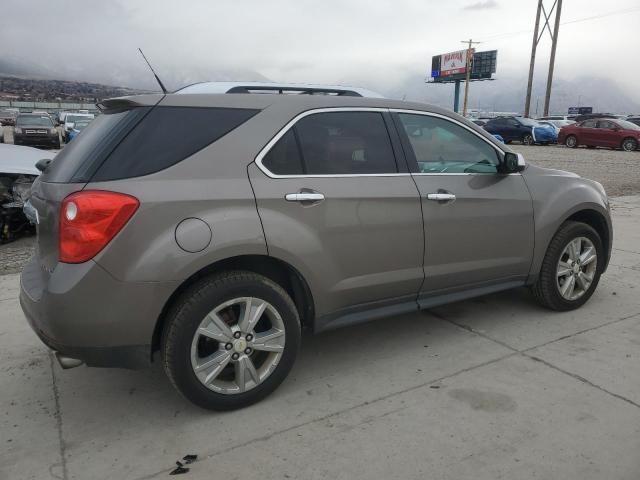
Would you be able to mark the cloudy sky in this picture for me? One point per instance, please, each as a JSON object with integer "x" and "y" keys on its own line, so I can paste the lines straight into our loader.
{"x": 374, "y": 43}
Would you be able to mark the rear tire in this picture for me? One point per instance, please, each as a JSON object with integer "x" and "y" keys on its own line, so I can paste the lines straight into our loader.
{"x": 629, "y": 144}
{"x": 571, "y": 141}
{"x": 548, "y": 289}
{"x": 183, "y": 342}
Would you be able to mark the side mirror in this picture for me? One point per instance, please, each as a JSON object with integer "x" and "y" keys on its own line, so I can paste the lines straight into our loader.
{"x": 512, "y": 163}
{"x": 43, "y": 164}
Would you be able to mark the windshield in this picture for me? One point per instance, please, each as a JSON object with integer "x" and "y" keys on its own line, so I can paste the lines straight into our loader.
{"x": 628, "y": 125}
{"x": 34, "y": 120}
{"x": 80, "y": 124}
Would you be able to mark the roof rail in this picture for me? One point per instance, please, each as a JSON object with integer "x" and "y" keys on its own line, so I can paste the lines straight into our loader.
{"x": 278, "y": 88}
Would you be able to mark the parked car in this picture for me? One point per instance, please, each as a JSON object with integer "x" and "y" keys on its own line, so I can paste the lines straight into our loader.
{"x": 17, "y": 172}
{"x": 78, "y": 126}
{"x": 556, "y": 117}
{"x": 36, "y": 129}
{"x": 71, "y": 118}
{"x": 635, "y": 120}
{"x": 606, "y": 132}
{"x": 521, "y": 129}
{"x": 478, "y": 122}
{"x": 589, "y": 116}
{"x": 210, "y": 229}
{"x": 8, "y": 117}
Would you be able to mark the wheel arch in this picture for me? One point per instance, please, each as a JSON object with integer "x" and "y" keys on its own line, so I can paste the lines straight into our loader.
{"x": 275, "y": 269}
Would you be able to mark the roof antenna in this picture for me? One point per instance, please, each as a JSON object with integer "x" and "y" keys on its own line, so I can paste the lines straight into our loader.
{"x": 162, "y": 87}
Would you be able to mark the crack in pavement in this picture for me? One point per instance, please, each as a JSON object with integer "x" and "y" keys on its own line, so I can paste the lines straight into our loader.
{"x": 524, "y": 353}
{"x": 269, "y": 436}
{"x": 58, "y": 415}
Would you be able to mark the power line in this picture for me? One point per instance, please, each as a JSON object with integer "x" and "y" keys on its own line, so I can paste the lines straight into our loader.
{"x": 577, "y": 20}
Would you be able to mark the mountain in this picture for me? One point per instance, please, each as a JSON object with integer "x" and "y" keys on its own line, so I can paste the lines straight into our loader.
{"x": 112, "y": 72}
{"x": 507, "y": 94}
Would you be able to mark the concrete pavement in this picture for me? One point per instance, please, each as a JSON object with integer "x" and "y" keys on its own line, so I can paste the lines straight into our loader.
{"x": 490, "y": 388}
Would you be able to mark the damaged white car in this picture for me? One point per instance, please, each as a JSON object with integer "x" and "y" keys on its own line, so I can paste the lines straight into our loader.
{"x": 17, "y": 172}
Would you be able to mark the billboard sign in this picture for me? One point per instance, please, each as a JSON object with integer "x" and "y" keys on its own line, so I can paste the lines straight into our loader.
{"x": 453, "y": 66}
{"x": 454, "y": 63}
{"x": 580, "y": 110}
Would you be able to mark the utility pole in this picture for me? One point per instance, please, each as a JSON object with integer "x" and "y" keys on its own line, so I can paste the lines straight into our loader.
{"x": 532, "y": 63}
{"x": 537, "y": 35}
{"x": 468, "y": 77}
{"x": 554, "y": 44}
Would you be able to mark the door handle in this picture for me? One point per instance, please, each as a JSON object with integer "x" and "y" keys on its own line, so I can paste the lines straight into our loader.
{"x": 441, "y": 197}
{"x": 304, "y": 197}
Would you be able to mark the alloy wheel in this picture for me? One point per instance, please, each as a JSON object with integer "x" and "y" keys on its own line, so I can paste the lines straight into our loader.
{"x": 571, "y": 141}
{"x": 576, "y": 268}
{"x": 238, "y": 345}
{"x": 629, "y": 145}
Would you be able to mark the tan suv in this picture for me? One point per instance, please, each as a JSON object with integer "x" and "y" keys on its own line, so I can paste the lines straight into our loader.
{"x": 209, "y": 228}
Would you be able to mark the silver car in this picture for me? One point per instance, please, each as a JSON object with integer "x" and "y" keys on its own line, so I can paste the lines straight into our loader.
{"x": 207, "y": 229}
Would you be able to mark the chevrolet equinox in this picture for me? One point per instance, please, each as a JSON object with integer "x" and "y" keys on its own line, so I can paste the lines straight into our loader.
{"x": 209, "y": 226}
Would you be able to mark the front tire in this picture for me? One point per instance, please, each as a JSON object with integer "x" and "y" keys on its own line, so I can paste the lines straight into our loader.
{"x": 527, "y": 139}
{"x": 571, "y": 267}
{"x": 230, "y": 340}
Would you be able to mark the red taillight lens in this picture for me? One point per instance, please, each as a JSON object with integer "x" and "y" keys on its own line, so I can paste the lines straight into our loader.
{"x": 89, "y": 220}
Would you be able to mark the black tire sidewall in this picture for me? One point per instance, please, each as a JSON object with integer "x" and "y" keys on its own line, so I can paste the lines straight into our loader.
{"x": 195, "y": 304}
{"x": 570, "y": 232}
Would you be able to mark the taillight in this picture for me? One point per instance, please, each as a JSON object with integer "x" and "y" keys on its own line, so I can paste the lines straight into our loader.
{"x": 89, "y": 220}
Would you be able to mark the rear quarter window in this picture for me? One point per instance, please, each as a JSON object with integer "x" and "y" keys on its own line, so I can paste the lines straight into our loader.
{"x": 166, "y": 136}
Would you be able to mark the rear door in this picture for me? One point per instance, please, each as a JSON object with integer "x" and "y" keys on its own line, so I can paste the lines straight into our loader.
{"x": 478, "y": 222}
{"x": 588, "y": 134}
{"x": 608, "y": 134}
{"x": 338, "y": 204}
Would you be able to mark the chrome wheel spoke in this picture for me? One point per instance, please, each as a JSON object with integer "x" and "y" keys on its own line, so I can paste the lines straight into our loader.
{"x": 567, "y": 287}
{"x": 582, "y": 282}
{"x": 269, "y": 341}
{"x": 215, "y": 328}
{"x": 245, "y": 372}
{"x": 564, "y": 269}
{"x": 211, "y": 366}
{"x": 588, "y": 256}
{"x": 252, "y": 311}
{"x": 574, "y": 250}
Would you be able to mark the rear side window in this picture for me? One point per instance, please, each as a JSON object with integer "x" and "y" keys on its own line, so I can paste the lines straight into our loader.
{"x": 335, "y": 143}
{"x": 588, "y": 124}
{"x": 166, "y": 136}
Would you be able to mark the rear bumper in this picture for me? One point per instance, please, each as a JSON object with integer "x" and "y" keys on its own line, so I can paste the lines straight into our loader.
{"x": 82, "y": 312}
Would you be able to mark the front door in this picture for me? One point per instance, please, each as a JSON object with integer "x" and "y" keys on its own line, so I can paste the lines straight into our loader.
{"x": 336, "y": 207}
{"x": 478, "y": 222}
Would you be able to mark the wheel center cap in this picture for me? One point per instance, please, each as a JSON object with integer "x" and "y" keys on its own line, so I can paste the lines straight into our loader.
{"x": 239, "y": 345}
{"x": 576, "y": 268}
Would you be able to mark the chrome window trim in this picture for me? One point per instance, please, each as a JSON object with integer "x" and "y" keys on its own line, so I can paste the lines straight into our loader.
{"x": 263, "y": 152}
{"x": 291, "y": 123}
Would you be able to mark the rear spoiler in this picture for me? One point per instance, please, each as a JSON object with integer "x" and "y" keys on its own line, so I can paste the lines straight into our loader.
{"x": 122, "y": 104}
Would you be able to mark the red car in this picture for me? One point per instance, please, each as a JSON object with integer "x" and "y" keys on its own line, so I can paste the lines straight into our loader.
{"x": 603, "y": 132}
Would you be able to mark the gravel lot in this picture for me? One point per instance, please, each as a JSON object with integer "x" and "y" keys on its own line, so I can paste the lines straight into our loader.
{"x": 618, "y": 171}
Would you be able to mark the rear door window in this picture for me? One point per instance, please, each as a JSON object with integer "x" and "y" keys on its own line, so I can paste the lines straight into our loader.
{"x": 345, "y": 143}
{"x": 334, "y": 143}
{"x": 588, "y": 124}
